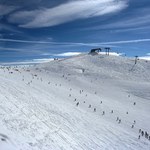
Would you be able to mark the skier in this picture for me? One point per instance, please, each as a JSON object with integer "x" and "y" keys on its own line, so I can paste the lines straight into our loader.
{"x": 117, "y": 119}
{"x": 103, "y": 113}
{"x": 142, "y": 133}
{"x": 146, "y": 135}
{"x": 77, "y": 104}
{"x": 139, "y": 137}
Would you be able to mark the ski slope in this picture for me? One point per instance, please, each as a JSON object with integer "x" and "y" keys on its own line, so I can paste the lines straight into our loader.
{"x": 74, "y": 103}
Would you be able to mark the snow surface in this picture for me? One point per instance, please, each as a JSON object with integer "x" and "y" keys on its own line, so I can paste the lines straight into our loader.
{"x": 38, "y": 104}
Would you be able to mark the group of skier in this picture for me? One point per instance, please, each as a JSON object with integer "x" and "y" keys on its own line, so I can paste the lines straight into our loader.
{"x": 144, "y": 134}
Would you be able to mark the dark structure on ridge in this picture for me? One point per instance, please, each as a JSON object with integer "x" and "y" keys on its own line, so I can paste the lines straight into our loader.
{"x": 95, "y": 51}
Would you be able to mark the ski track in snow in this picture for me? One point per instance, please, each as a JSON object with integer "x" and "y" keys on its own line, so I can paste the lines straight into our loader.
{"x": 38, "y": 105}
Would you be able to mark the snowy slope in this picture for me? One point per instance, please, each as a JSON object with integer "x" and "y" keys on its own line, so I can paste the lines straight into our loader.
{"x": 38, "y": 104}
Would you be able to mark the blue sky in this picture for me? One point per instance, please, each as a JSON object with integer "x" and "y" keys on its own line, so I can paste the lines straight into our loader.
{"x": 41, "y": 29}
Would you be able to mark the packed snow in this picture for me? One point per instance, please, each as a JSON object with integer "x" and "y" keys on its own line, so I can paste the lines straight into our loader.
{"x": 80, "y": 103}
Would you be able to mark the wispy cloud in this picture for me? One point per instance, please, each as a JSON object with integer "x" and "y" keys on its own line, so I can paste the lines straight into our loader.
{"x": 138, "y": 19}
{"x": 4, "y": 27}
{"x": 69, "y": 11}
{"x": 77, "y": 44}
{"x": 5, "y": 9}
{"x": 130, "y": 22}
{"x": 8, "y": 49}
{"x": 23, "y": 17}
{"x": 19, "y": 50}
{"x": 51, "y": 42}
{"x": 25, "y": 41}
{"x": 128, "y": 41}
{"x": 29, "y": 62}
{"x": 132, "y": 29}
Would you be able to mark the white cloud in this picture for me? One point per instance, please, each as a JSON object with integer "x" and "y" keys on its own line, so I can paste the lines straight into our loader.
{"x": 145, "y": 57}
{"x": 43, "y": 60}
{"x": 66, "y": 12}
{"x": 112, "y": 53}
{"x": 68, "y": 54}
{"x": 27, "y": 62}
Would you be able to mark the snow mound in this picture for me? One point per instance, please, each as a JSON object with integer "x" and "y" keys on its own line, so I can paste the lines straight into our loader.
{"x": 84, "y": 102}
